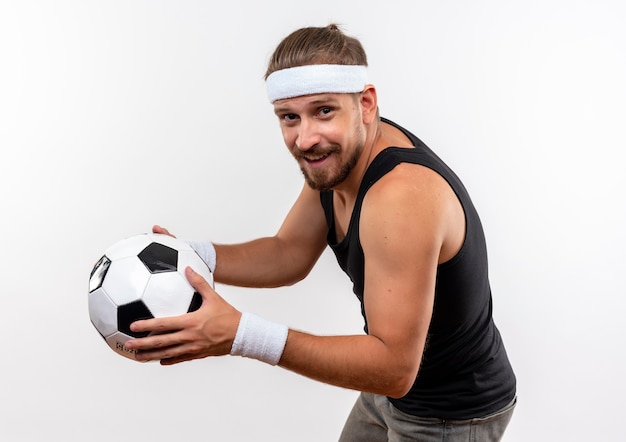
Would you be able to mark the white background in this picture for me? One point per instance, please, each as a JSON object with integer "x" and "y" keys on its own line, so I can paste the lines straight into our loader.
{"x": 115, "y": 115}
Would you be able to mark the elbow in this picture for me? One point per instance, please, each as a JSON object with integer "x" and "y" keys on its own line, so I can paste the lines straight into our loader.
{"x": 292, "y": 279}
{"x": 400, "y": 388}
{"x": 401, "y": 383}
{"x": 296, "y": 275}
{"x": 399, "y": 370}
{"x": 297, "y": 278}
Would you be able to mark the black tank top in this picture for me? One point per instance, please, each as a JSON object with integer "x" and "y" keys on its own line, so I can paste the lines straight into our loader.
{"x": 464, "y": 372}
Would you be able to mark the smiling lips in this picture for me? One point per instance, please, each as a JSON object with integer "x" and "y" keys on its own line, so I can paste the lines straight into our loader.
{"x": 315, "y": 159}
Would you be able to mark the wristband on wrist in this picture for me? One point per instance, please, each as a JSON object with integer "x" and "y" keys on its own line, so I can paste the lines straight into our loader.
{"x": 206, "y": 251}
{"x": 260, "y": 339}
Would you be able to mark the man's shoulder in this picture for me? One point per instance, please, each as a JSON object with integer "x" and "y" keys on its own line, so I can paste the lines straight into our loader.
{"x": 407, "y": 182}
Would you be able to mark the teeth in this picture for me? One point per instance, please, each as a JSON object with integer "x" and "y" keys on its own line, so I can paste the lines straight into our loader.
{"x": 317, "y": 158}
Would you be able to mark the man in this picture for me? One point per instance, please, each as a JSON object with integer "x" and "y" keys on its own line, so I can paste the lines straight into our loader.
{"x": 431, "y": 365}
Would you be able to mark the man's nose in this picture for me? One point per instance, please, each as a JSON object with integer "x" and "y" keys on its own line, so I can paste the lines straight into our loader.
{"x": 308, "y": 135}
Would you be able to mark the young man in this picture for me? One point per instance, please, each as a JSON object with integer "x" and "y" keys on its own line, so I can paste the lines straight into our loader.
{"x": 431, "y": 365}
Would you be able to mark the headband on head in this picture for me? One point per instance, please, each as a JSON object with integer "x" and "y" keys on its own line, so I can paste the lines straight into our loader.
{"x": 315, "y": 79}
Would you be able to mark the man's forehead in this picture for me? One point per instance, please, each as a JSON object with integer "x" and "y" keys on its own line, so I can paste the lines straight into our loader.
{"x": 308, "y": 100}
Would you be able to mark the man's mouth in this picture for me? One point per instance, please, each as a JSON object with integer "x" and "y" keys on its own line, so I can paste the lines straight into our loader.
{"x": 313, "y": 159}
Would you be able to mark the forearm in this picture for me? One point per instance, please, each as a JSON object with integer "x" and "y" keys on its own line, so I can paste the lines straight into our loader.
{"x": 363, "y": 363}
{"x": 263, "y": 262}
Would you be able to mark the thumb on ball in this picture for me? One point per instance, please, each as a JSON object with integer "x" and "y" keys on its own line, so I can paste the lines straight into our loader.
{"x": 196, "y": 280}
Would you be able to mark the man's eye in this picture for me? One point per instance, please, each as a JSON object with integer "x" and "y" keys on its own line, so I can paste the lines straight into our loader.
{"x": 325, "y": 110}
{"x": 290, "y": 117}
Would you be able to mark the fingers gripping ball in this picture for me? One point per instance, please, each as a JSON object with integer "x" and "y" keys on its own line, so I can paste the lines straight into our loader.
{"x": 141, "y": 277}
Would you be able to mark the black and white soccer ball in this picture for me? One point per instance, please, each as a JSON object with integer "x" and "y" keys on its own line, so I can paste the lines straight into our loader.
{"x": 142, "y": 277}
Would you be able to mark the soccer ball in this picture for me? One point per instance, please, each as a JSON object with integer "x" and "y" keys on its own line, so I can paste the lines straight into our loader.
{"x": 141, "y": 277}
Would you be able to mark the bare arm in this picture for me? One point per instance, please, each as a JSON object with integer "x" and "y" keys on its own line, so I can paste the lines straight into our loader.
{"x": 404, "y": 226}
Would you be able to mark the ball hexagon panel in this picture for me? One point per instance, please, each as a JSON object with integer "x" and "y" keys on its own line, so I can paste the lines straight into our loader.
{"x": 191, "y": 259}
{"x": 168, "y": 294}
{"x": 126, "y": 280}
{"x": 159, "y": 258}
{"x": 129, "y": 313}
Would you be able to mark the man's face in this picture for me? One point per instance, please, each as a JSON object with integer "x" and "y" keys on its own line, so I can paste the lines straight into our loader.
{"x": 325, "y": 134}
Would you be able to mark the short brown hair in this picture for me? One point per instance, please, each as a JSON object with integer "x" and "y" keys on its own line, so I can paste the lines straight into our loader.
{"x": 316, "y": 45}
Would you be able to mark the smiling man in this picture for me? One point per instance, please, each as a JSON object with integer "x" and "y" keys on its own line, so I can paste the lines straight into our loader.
{"x": 431, "y": 364}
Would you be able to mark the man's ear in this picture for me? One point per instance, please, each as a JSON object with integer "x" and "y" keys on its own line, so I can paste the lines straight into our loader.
{"x": 369, "y": 103}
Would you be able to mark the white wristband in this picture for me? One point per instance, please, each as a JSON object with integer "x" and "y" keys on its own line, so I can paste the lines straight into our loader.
{"x": 260, "y": 339}
{"x": 206, "y": 251}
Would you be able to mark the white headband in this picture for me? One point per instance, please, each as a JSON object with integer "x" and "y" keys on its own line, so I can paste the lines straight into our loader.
{"x": 315, "y": 79}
